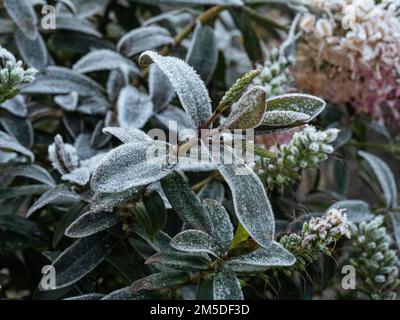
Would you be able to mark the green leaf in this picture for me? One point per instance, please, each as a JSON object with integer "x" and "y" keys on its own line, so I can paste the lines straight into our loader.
{"x": 251, "y": 40}
{"x": 160, "y": 280}
{"x": 385, "y": 177}
{"x": 240, "y": 235}
{"x": 249, "y": 111}
{"x": 184, "y": 201}
{"x": 180, "y": 260}
{"x": 251, "y": 203}
{"x": 196, "y": 241}
{"x": 9, "y": 143}
{"x": 290, "y": 110}
{"x": 90, "y": 223}
{"x": 189, "y": 87}
{"x": 23, "y": 226}
{"x": 223, "y": 229}
{"x": 227, "y": 286}
{"x": 205, "y": 289}
{"x": 156, "y": 210}
{"x": 81, "y": 258}
{"x": 262, "y": 259}
{"x": 203, "y": 52}
{"x": 356, "y": 210}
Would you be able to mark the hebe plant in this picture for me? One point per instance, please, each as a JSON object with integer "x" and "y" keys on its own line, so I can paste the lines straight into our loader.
{"x": 91, "y": 188}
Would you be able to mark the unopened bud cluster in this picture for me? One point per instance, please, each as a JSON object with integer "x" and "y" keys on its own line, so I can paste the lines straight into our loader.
{"x": 306, "y": 150}
{"x": 12, "y": 73}
{"x": 375, "y": 262}
{"x": 275, "y": 74}
{"x": 317, "y": 236}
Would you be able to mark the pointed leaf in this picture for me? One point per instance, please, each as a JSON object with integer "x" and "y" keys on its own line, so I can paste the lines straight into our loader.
{"x": 17, "y": 106}
{"x": 33, "y": 171}
{"x": 90, "y": 223}
{"x": 131, "y": 165}
{"x": 190, "y": 88}
{"x": 71, "y": 23}
{"x": 223, "y": 229}
{"x": 23, "y": 14}
{"x": 58, "y": 80}
{"x": 142, "y": 39}
{"x": 160, "y": 280}
{"x": 385, "y": 177}
{"x": 33, "y": 52}
{"x": 160, "y": 88}
{"x": 104, "y": 60}
{"x": 127, "y": 135}
{"x": 180, "y": 260}
{"x": 185, "y": 203}
{"x": 195, "y": 241}
{"x": 58, "y": 193}
{"x": 81, "y": 258}
{"x": 8, "y": 143}
{"x": 227, "y": 286}
{"x": 134, "y": 108}
{"x": 262, "y": 259}
{"x": 203, "y": 51}
{"x": 251, "y": 203}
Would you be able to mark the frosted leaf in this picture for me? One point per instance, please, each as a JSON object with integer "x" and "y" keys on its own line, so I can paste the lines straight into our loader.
{"x": 90, "y": 223}
{"x": 104, "y": 59}
{"x": 106, "y": 201}
{"x": 281, "y": 118}
{"x": 33, "y": 52}
{"x": 59, "y": 80}
{"x": 17, "y": 106}
{"x": 79, "y": 176}
{"x": 93, "y": 105}
{"x": 160, "y": 280}
{"x": 223, "y": 229}
{"x": 248, "y": 112}
{"x": 23, "y": 14}
{"x": 83, "y": 147}
{"x": 213, "y": 190}
{"x": 116, "y": 81}
{"x": 194, "y": 2}
{"x": 70, "y": 5}
{"x": 304, "y": 103}
{"x": 131, "y": 165}
{"x": 8, "y": 143}
{"x": 184, "y": 201}
{"x": 81, "y": 258}
{"x": 59, "y": 193}
{"x": 62, "y": 155}
{"x": 142, "y": 39}
{"x": 385, "y": 177}
{"x": 29, "y": 171}
{"x": 195, "y": 241}
{"x": 251, "y": 203}
{"x": 19, "y": 128}
{"x": 120, "y": 294}
{"x": 356, "y": 210}
{"x": 227, "y": 286}
{"x": 203, "y": 52}
{"x": 160, "y": 88}
{"x": 68, "y": 102}
{"x": 71, "y": 23}
{"x": 127, "y": 135}
{"x": 134, "y": 108}
{"x": 190, "y": 88}
{"x": 261, "y": 259}
{"x": 89, "y": 296}
{"x": 177, "y": 115}
{"x": 181, "y": 260}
